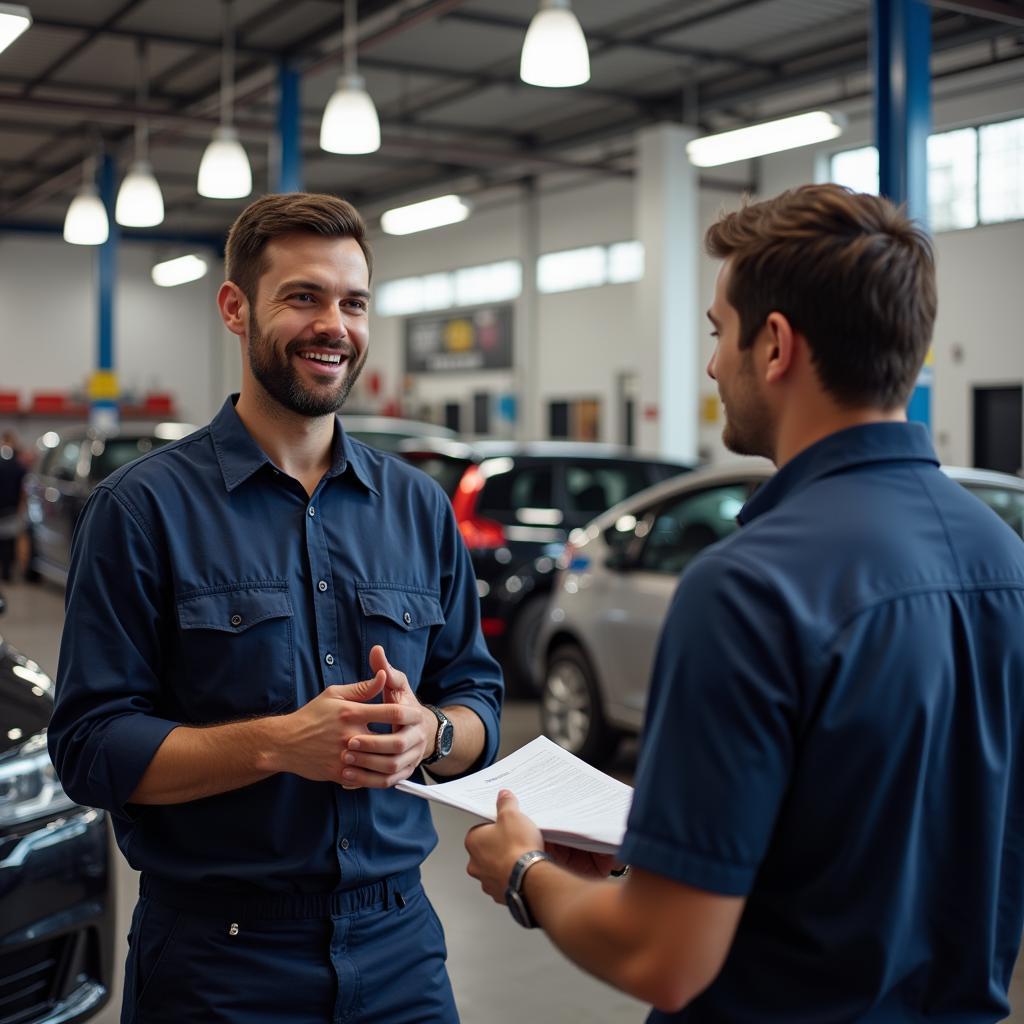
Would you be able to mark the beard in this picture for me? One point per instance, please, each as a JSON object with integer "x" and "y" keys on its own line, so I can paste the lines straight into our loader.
{"x": 280, "y": 380}
{"x": 748, "y": 422}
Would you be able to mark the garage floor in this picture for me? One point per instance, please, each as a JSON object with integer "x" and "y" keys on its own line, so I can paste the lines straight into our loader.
{"x": 501, "y": 974}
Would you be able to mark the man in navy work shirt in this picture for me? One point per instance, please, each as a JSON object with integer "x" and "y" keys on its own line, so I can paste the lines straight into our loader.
{"x": 269, "y": 624}
{"x": 828, "y": 823}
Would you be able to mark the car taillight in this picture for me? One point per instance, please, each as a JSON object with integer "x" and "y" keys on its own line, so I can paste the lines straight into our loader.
{"x": 476, "y": 531}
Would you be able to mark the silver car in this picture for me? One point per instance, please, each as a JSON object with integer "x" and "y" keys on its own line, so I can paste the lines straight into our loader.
{"x": 597, "y": 643}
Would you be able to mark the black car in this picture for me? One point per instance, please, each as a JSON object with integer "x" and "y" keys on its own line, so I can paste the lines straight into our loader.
{"x": 516, "y": 505}
{"x": 69, "y": 465}
{"x": 56, "y": 876}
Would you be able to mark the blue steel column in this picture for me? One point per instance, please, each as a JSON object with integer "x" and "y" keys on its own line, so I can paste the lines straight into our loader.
{"x": 103, "y": 389}
{"x": 901, "y": 53}
{"x": 289, "y": 130}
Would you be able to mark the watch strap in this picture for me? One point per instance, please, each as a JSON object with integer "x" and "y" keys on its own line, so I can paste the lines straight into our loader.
{"x": 443, "y": 722}
{"x": 514, "y": 895}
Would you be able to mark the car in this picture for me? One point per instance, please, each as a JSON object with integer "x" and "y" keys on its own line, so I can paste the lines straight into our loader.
{"x": 516, "y": 504}
{"x": 68, "y": 466}
{"x": 56, "y": 873}
{"x": 598, "y": 637}
{"x": 388, "y": 432}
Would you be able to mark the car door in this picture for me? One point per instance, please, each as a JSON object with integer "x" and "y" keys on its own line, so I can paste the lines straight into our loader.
{"x": 667, "y": 536}
{"x": 64, "y": 490}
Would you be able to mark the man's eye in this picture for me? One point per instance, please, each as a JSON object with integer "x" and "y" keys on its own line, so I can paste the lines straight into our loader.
{"x": 304, "y": 297}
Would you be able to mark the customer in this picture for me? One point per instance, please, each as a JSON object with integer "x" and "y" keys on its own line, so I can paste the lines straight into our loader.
{"x": 261, "y": 620}
{"x": 828, "y": 822}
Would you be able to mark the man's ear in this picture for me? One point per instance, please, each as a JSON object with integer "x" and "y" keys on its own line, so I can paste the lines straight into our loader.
{"x": 781, "y": 341}
{"x": 234, "y": 308}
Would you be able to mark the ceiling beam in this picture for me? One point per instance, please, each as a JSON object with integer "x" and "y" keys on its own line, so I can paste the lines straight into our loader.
{"x": 1009, "y": 14}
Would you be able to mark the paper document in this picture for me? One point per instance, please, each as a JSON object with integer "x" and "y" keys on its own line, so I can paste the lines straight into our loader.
{"x": 570, "y": 801}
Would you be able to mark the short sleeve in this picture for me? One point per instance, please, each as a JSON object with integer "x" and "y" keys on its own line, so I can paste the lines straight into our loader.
{"x": 718, "y": 744}
{"x": 103, "y": 732}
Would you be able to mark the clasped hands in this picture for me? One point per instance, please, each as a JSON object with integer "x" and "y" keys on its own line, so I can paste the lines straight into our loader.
{"x": 329, "y": 739}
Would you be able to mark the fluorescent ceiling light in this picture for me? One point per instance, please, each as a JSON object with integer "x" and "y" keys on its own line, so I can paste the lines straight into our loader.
{"x": 224, "y": 172}
{"x": 432, "y": 213}
{"x": 178, "y": 271}
{"x": 350, "y": 123}
{"x": 86, "y": 221}
{"x": 14, "y": 19}
{"x": 140, "y": 203}
{"x": 555, "y": 51}
{"x": 760, "y": 139}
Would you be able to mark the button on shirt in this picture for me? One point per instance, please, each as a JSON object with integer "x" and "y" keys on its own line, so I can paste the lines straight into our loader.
{"x": 835, "y": 732}
{"x": 207, "y": 587}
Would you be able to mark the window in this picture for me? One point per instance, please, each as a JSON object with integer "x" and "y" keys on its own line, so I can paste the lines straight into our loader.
{"x": 65, "y": 466}
{"x": 1007, "y": 504}
{"x": 1001, "y": 171}
{"x": 118, "y": 452}
{"x": 591, "y": 489}
{"x": 590, "y": 267}
{"x": 975, "y": 175}
{"x": 522, "y": 487}
{"x": 684, "y": 527}
{"x": 468, "y": 286}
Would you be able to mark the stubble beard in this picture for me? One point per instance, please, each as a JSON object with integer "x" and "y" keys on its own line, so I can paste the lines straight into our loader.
{"x": 281, "y": 382}
{"x": 748, "y": 424}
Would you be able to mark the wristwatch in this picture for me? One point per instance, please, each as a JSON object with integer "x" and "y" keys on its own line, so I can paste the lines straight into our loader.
{"x": 514, "y": 896}
{"x": 444, "y": 739}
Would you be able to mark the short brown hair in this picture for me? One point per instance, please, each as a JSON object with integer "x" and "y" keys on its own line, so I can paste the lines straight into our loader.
{"x": 849, "y": 271}
{"x": 279, "y": 214}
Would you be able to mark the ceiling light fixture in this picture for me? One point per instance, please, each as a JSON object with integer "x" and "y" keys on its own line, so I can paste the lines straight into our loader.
{"x": 431, "y": 213}
{"x": 555, "y": 51}
{"x": 86, "y": 221}
{"x": 14, "y": 19}
{"x": 350, "y": 123}
{"x": 140, "y": 204}
{"x": 224, "y": 171}
{"x": 761, "y": 139}
{"x": 178, "y": 271}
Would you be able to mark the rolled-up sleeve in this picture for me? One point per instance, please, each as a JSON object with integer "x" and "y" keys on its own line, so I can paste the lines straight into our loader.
{"x": 104, "y": 730}
{"x": 459, "y": 669}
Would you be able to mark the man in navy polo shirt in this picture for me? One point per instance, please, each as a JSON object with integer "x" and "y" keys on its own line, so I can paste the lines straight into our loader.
{"x": 269, "y": 624}
{"x": 828, "y": 823}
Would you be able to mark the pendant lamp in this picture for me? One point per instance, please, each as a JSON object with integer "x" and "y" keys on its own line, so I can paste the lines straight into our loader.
{"x": 350, "y": 123}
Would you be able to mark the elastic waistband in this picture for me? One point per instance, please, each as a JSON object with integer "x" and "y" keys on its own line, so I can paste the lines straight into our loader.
{"x": 284, "y": 906}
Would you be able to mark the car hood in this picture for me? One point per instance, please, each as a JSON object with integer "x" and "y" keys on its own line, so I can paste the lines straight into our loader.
{"x": 26, "y": 698}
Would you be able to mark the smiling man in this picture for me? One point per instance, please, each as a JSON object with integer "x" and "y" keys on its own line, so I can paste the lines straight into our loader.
{"x": 827, "y": 820}
{"x": 269, "y": 625}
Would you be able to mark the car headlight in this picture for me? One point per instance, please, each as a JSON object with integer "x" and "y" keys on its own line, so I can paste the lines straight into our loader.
{"x": 29, "y": 787}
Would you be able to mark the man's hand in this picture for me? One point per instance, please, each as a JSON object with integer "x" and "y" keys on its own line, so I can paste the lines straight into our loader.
{"x": 380, "y": 760}
{"x": 581, "y": 862}
{"x": 494, "y": 849}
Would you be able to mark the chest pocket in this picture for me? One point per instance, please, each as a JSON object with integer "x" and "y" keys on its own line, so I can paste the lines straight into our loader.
{"x": 399, "y": 619}
{"x": 238, "y": 653}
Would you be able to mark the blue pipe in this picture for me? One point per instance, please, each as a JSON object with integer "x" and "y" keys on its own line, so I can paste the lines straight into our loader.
{"x": 289, "y": 130}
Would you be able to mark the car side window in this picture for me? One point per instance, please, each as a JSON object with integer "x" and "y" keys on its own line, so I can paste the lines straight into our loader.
{"x": 681, "y": 529}
{"x": 520, "y": 487}
{"x": 118, "y": 452}
{"x": 1007, "y": 504}
{"x": 592, "y": 489}
{"x": 65, "y": 464}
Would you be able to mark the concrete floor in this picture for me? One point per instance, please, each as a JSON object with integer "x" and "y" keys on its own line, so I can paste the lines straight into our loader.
{"x": 501, "y": 973}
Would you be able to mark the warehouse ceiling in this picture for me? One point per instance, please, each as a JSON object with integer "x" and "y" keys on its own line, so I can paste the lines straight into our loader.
{"x": 444, "y": 77}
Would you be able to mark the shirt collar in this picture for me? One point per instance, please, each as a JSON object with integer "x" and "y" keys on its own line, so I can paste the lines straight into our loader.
{"x": 239, "y": 456}
{"x": 854, "y": 446}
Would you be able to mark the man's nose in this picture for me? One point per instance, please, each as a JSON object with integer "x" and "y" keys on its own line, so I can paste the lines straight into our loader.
{"x": 330, "y": 322}
{"x": 711, "y": 364}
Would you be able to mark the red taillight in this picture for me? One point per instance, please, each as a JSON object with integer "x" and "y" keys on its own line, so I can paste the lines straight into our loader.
{"x": 476, "y": 531}
{"x": 492, "y": 627}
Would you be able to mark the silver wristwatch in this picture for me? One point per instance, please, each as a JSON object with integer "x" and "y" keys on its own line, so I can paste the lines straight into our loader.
{"x": 443, "y": 740}
{"x": 514, "y": 895}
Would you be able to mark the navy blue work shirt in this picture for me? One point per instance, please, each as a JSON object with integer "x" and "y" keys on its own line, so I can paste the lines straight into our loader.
{"x": 206, "y": 586}
{"x": 836, "y": 732}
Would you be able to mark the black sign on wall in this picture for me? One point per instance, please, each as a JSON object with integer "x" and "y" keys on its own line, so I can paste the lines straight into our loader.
{"x": 479, "y": 339}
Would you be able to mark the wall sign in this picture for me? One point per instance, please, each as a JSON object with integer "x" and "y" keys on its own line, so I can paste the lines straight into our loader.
{"x": 479, "y": 339}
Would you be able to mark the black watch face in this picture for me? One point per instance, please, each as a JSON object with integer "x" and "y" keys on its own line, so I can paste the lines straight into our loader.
{"x": 445, "y": 739}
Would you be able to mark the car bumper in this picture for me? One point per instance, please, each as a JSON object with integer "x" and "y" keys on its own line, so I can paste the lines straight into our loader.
{"x": 57, "y": 914}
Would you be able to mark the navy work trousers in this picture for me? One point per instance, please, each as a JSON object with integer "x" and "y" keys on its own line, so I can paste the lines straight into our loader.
{"x": 372, "y": 954}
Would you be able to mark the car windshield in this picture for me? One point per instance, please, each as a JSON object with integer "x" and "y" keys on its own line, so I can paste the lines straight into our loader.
{"x": 447, "y": 471}
{"x": 119, "y": 451}
{"x": 1007, "y": 503}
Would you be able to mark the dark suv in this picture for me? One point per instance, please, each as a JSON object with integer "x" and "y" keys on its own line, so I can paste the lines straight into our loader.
{"x": 69, "y": 465}
{"x": 516, "y": 505}
{"x": 56, "y": 878}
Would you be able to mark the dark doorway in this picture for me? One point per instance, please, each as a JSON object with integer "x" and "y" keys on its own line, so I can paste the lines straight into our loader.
{"x": 997, "y": 428}
{"x": 453, "y": 416}
{"x": 482, "y": 412}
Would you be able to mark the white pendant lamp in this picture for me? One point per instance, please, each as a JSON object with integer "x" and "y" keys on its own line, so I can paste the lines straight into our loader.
{"x": 86, "y": 220}
{"x": 350, "y": 124}
{"x": 555, "y": 53}
{"x": 14, "y": 19}
{"x": 140, "y": 203}
{"x": 224, "y": 171}
{"x": 769, "y": 137}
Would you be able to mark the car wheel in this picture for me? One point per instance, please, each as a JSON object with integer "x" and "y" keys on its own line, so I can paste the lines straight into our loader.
{"x": 520, "y": 678}
{"x": 571, "y": 711}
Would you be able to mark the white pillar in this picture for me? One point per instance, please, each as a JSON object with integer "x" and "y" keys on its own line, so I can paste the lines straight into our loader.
{"x": 667, "y": 342}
